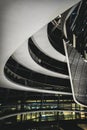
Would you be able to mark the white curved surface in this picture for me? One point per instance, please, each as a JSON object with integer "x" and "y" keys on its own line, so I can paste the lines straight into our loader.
{"x": 64, "y": 27}
{"x": 19, "y": 19}
{"x": 21, "y": 55}
{"x": 42, "y": 42}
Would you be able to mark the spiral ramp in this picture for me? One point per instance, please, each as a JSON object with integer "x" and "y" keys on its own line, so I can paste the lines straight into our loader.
{"x": 20, "y": 22}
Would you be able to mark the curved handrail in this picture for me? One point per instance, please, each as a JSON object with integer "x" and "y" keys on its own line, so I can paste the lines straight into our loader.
{"x": 17, "y": 76}
{"x": 62, "y": 110}
{"x": 29, "y": 74}
{"x": 46, "y": 61}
